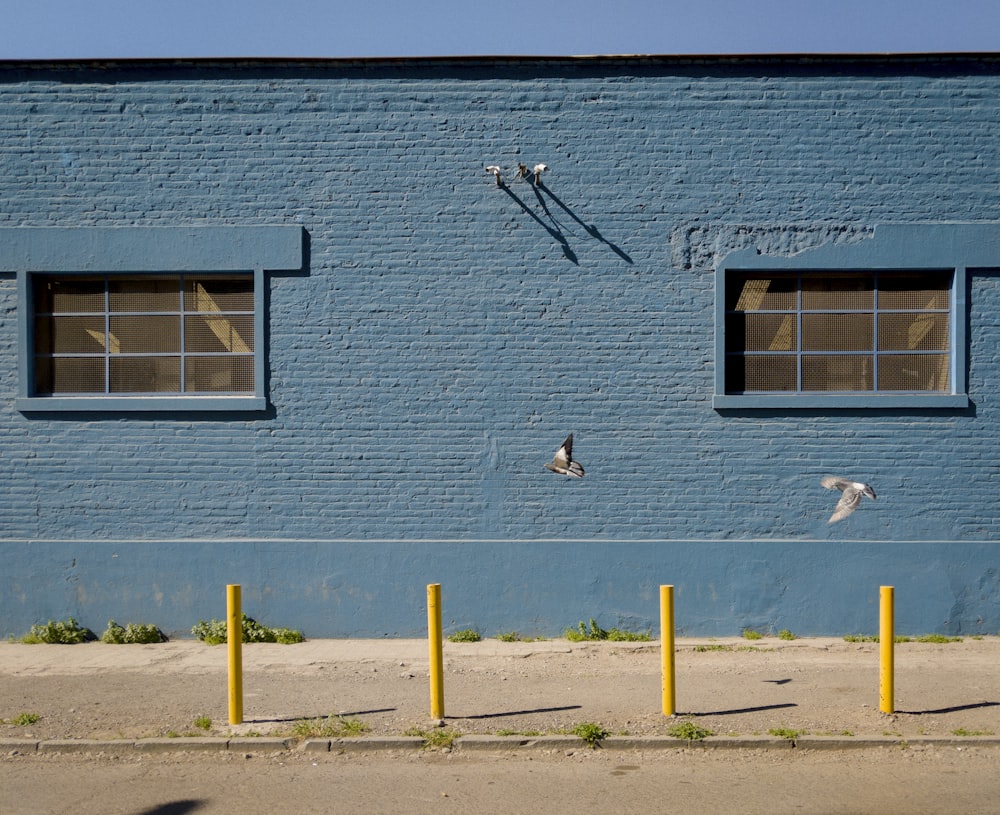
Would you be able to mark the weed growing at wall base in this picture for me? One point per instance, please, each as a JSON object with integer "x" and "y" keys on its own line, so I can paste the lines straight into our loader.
{"x": 131, "y": 633}
{"x": 594, "y": 632}
{"x": 67, "y": 632}
{"x": 465, "y": 635}
{"x": 513, "y": 636}
{"x": 215, "y": 632}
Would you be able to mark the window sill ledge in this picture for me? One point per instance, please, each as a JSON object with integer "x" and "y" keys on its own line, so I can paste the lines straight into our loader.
{"x": 136, "y": 404}
{"x": 854, "y": 401}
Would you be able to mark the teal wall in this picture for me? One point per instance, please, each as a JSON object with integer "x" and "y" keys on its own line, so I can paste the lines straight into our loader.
{"x": 444, "y": 335}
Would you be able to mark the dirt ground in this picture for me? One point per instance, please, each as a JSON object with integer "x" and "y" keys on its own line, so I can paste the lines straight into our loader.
{"x": 732, "y": 687}
{"x": 937, "y": 753}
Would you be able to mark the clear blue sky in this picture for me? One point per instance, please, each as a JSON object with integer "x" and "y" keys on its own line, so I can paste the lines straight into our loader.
{"x": 38, "y": 29}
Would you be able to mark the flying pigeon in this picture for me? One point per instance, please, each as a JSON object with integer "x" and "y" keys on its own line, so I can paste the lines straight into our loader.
{"x": 563, "y": 461}
{"x": 852, "y": 492}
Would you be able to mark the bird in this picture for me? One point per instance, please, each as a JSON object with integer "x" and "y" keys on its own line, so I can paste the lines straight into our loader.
{"x": 851, "y": 497}
{"x": 563, "y": 463}
{"x": 538, "y": 170}
{"x": 492, "y": 168}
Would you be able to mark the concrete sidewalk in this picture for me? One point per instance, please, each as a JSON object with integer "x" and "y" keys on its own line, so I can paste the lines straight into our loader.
{"x": 812, "y": 692}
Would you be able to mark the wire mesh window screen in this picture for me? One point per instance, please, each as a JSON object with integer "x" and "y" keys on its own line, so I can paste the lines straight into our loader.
{"x": 914, "y": 372}
{"x": 144, "y": 374}
{"x": 144, "y": 335}
{"x": 838, "y": 332}
{"x": 837, "y": 372}
{"x": 145, "y": 295}
{"x": 837, "y": 292}
{"x": 79, "y": 296}
{"x": 761, "y": 372}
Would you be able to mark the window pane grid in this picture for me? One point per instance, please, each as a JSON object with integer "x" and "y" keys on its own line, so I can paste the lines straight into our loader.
{"x": 179, "y": 334}
{"x": 832, "y": 332}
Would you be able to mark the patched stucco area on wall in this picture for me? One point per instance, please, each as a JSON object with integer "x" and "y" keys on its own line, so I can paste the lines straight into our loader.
{"x": 429, "y": 337}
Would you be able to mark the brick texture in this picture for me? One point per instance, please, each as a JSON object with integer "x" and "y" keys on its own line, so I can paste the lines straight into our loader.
{"x": 447, "y": 334}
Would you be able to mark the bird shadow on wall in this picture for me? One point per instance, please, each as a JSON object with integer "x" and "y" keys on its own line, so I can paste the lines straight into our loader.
{"x": 550, "y": 223}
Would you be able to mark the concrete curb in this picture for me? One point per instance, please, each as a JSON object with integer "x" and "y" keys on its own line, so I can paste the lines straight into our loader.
{"x": 476, "y": 743}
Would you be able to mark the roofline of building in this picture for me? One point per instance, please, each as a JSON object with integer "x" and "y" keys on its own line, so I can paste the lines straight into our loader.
{"x": 791, "y": 57}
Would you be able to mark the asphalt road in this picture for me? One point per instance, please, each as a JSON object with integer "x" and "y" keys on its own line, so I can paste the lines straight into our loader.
{"x": 908, "y": 781}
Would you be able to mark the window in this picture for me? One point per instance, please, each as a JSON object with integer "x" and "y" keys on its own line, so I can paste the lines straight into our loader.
{"x": 144, "y": 318}
{"x": 117, "y": 334}
{"x": 874, "y": 322}
{"x": 851, "y": 332}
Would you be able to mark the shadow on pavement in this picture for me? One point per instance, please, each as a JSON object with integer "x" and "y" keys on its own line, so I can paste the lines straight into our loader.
{"x": 739, "y": 710}
{"x": 517, "y": 712}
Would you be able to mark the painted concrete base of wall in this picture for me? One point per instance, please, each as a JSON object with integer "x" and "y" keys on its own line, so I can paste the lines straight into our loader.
{"x": 378, "y": 588}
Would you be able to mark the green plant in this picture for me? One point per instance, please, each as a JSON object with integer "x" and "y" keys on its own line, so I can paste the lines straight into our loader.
{"x": 131, "y": 633}
{"x": 900, "y": 638}
{"x": 513, "y": 636}
{"x": 22, "y": 719}
{"x": 591, "y": 733}
{"x": 287, "y": 636}
{"x": 785, "y": 634}
{"x": 963, "y": 732}
{"x": 519, "y": 732}
{"x": 67, "y": 632}
{"x": 332, "y": 727}
{"x": 465, "y": 635}
{"x": 690, "y": 731}
{"x": 716, "y": 647}
{"x": 215, "y": 632}
{"x": 584, "y": 632}
{"x": 203, "y": 723}
{"x": 439, "y": 738}
{"x": 785, "y": 733}
{"x": 750, "y": 634}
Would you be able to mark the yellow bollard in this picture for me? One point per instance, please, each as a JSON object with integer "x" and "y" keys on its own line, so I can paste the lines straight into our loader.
{"x": 436, "y": 648}
{"x": 234, "y": 636}
{"x": 887, "y": 644}
{"x": 667, "y": 648}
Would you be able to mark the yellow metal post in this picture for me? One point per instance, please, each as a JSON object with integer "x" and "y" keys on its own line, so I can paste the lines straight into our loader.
{"x": 234, "y": 637}
{"x": 436, "y": 649}
{"x": 667, "y": 648}
{"x": 887, "y": 645}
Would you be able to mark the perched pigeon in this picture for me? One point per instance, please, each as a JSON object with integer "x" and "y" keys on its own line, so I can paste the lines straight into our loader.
{"x": 563, "y": 461}
{"x": 852, "y": 492}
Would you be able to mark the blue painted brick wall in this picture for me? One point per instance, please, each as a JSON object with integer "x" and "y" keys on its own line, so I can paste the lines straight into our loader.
{"x": 447, "y": 334}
